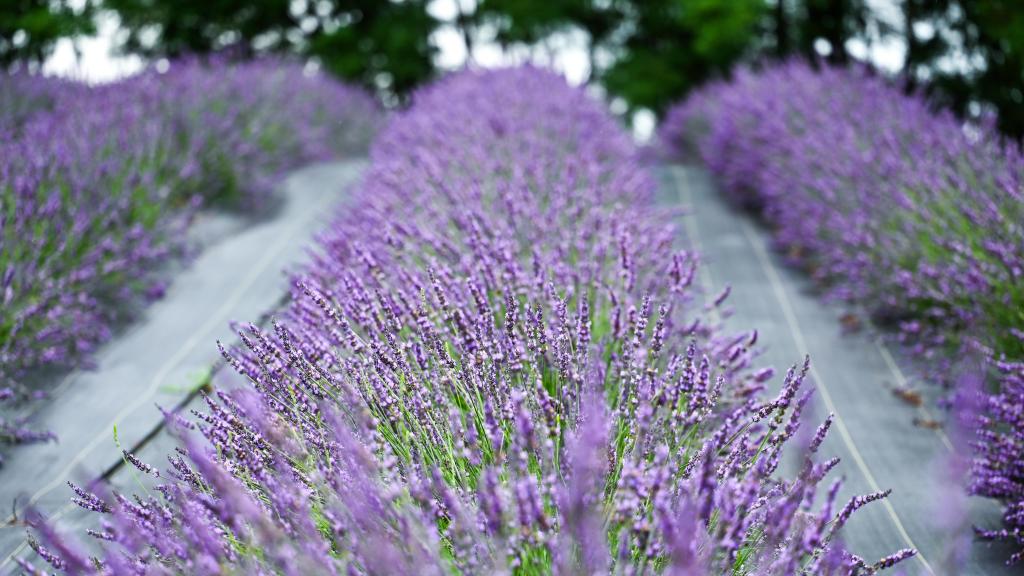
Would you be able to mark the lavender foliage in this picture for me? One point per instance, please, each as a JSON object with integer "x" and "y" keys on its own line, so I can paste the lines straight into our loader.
{"x": 493, "y": 364}
{"x": 998, "y": 470}
{"x": 890, "y": 204}
{"x": 98, "y": 182}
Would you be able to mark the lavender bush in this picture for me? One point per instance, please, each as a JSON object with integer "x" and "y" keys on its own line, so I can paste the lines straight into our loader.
{"x": 999, "y": 466}
{"x": 97, "y": 183}
{"x": 890, "y": 204}
{"x": 493, "y": 364}
{"x": 25, "y": 95}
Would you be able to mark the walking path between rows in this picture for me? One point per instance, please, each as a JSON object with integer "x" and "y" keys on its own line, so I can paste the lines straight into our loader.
{"x": 874, "y": 432}
{"x": 167, "y": 352}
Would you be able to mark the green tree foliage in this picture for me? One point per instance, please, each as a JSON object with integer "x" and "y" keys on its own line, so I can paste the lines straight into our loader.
{"x": 658, "y": 49}
{"x": 533, "y": 22}
{"x": 675, "y": 45}
{"x": 994, "y": 33}
{"x": 987, "y": 35}
{"x": 382, "y": 44}
{"x": 172, "y": 28}
{"x": 29, "y": 29}
{"x": 922, "y": 51}
{"x": 834, "y": 21}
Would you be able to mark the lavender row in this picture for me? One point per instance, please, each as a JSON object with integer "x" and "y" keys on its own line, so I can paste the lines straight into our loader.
{"x": 894, "y": 206}
{"x": 495, "y": 363}
{"x": 98, "y": 183}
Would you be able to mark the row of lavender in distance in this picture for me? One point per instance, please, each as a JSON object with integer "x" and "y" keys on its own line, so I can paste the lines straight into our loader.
{"x": 892, "y": 205}
{"x": 494, "y": 363}
{"x": 98, "y": 182}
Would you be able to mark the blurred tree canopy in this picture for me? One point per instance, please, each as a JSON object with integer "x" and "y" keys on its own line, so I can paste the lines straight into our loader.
{"x": 382, "y": 44}
{"x": 648, "y": 53}
{"x": 29, "y": 29}
{"x": 968, "y": 53}
{"x": 673, "y": 46}
{"x": 987, "y": 35}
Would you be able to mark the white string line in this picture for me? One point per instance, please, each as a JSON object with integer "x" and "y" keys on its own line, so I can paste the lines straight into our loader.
{"x": 685, "y": 194}
{"x": 214, "y": 321}
{"x": 826, "y": 396}
{"x": 901, "y": 381}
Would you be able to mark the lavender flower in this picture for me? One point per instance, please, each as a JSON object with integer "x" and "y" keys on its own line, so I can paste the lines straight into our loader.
{"x": 440, "y": 303}
{"x": 892, "y": 205}
{"x": 98, "y": 183}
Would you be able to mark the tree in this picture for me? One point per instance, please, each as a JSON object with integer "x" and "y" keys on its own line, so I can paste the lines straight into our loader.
{"x": 675, "y": 45}
{"x": 29, "y": 29}
{"x": 989, "y": 36}
{"x": 533, "y": 22}
{"x": 382, "y": 44}
{"x": 172, "y": 28}
{"x": 659, "y": 48}
{"x": 994, "y": 33}
{"x": 922, "y": 52}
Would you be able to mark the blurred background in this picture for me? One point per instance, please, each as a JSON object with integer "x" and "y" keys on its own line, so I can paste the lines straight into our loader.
{"x": 641, "y": 55}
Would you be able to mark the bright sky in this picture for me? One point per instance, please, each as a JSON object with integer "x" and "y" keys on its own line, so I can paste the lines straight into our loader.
{"x": 91, "y": 59}
{"x": 887, "y": 53}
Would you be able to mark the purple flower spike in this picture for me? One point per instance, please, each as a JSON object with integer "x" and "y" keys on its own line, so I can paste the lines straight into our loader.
{"x": 893, "y": 206}
{"x": 485, "y": 369}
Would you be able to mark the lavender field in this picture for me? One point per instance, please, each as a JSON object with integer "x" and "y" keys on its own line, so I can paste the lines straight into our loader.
{"x": 901, "y": 212}
{"x": 256, "y": 323}
{"x": 99, "y": 184}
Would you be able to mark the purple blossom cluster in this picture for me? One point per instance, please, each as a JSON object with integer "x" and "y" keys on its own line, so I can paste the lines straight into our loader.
{"x": 998, "y": 470}
{"x": 494, "y": 363}
{"x": 24, "y": 95}
{"x": 97, "y": 184}
{"x": 892, "y": 205}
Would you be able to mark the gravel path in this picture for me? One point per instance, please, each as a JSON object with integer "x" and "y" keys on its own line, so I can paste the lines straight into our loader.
{"x": 161, "y": 358}
{"x": 855, "y": 376}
